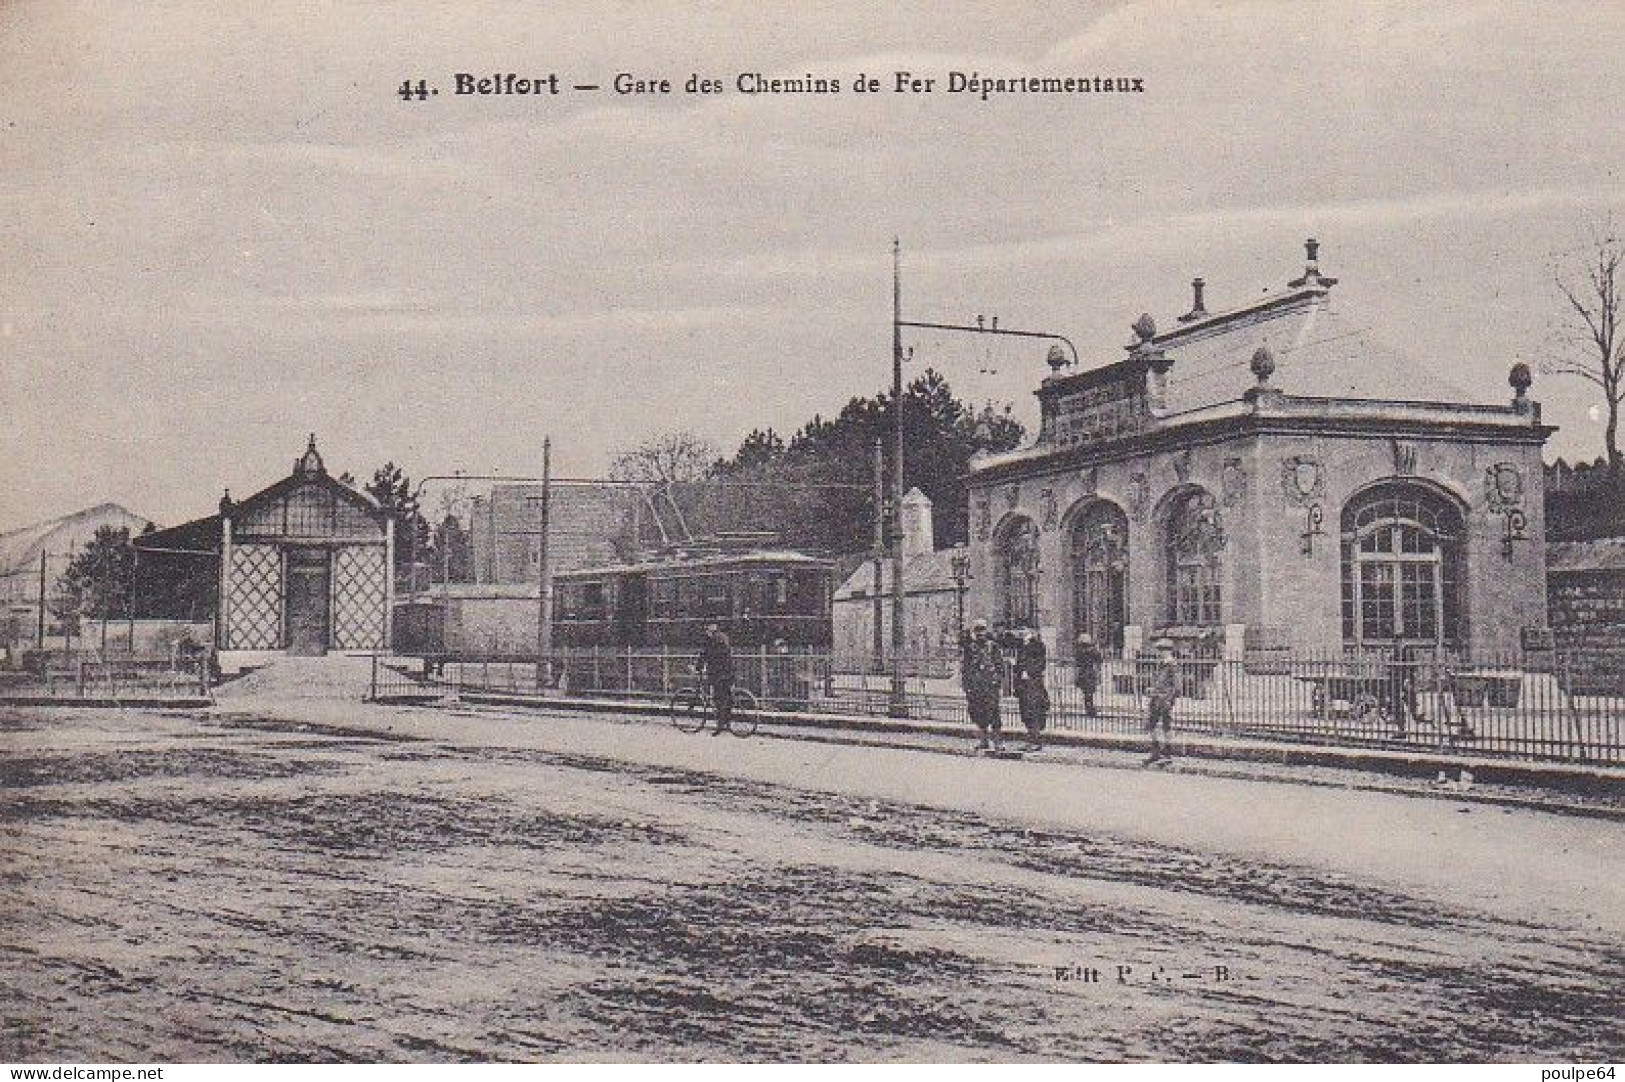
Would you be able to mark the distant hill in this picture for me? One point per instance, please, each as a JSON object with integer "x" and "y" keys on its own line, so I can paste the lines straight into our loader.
{"x": 21, "y": 547}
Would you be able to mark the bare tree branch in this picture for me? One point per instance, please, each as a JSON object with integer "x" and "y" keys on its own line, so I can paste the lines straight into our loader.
{"x": 1593, "y": 328}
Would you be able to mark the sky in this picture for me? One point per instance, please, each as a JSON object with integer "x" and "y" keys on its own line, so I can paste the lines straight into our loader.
{"x": 223, "y": 230}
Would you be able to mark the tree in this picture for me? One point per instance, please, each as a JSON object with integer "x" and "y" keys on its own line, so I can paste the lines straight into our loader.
{"x": 1594, "y": 348}
{"x": 453, "y": 551}
{"x": 392, "y": 488}
{"x": 664, "y": 460}
{"x": 940, "y": 435}
{"x": 96, "y": 582}
{"x": 759, "y": 448}
{"x": 667, "y": 469}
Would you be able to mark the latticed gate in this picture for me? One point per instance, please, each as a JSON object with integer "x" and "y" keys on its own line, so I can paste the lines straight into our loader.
{"x": 254, "y": 606}
{"x": 359, "y": 597}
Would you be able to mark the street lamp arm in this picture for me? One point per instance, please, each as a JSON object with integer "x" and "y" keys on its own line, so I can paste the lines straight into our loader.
{"x": 1045, "y": 335}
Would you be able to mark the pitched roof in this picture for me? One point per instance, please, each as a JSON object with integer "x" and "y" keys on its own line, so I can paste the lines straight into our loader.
{"x": 924, "y": 573}
{"x": 1321, "y": 350}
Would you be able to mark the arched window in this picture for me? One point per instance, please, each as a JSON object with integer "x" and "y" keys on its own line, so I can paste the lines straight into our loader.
{"x": 1098, "y": 550}
{"x": 1402, "y": 567}
{"x": 1193, "y": 542}
{"x": 1018, "y": 574}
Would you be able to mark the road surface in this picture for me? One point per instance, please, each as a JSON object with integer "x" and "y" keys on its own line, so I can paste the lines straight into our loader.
{"x": 321, "y": 880}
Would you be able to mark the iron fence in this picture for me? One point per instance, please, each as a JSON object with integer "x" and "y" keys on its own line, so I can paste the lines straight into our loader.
{"x": 120, "y": 678}
{"x": 1536, "y": 705}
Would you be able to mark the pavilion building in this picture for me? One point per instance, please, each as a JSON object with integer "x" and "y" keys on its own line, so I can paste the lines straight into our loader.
{"x": 1271, "y": 477}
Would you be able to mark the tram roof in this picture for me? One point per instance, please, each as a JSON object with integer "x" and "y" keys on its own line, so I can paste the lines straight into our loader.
{"x": 710, "y": 560}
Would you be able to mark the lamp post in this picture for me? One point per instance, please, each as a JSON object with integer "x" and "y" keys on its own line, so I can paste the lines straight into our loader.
{"x": 1057, "y": 360}
{"x": 898, "y": 705}
{"x": 961, "y": 568}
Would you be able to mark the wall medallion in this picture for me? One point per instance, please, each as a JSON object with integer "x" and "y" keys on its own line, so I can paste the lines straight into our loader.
{"x": 1303, "y": 480}
{"x": 1503, "y": 486}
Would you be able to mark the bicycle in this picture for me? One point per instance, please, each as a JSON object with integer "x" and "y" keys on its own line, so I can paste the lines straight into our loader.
{"x": 692, "y": 710}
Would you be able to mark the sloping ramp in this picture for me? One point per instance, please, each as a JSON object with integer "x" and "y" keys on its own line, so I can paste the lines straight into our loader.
{"x": 302, "y": 678}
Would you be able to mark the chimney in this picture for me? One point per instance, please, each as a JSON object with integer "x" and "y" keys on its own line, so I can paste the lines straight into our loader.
{"x": 1198, "y": 310}
{"x": 918, "y": 535}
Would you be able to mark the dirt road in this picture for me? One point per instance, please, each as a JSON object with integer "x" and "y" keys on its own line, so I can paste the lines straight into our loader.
{"x": 331, "y": 881}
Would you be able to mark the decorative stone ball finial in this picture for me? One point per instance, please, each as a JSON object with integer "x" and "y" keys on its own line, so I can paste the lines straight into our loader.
{"x": 1056, "y": 359}
{"x": 1520, "y": 379}
{"x": 1263, "y": 364}
{"x": 1145, "y": 328}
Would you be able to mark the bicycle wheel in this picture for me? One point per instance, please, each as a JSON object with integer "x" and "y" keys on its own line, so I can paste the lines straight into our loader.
{"x": 743, "y": 722}
{"x": 689, "y": 711}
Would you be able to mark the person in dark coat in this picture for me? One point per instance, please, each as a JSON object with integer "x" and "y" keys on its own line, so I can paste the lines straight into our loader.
{"x": 1086, "y": 662}
{"x": 1032, "y": 658}
{"x": 1163, "y": 693}
{"x": 980, "y": 673}
{"x": 1402, "y": 688}
{"x": 716, "y": 664}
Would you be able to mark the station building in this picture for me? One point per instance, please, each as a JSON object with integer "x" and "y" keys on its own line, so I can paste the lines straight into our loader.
{"x": 304, "y": 567}
{"x": 1270, "y": 477}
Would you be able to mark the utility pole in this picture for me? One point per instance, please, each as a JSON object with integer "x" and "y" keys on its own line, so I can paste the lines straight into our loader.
{"x": 544, "y": 605}
{"x": 880, "y": 557}
{"x": 41, "y": 643}
{"x": 129, "y": 610}
{"x": 107, "y": 590}
{"x": 898, "y": 707}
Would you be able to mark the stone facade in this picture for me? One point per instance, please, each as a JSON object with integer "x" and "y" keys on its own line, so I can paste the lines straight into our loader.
{"x": 932, "y": 596}
{"x": 587, "y": 527}
{"x": 1333, "y": 500}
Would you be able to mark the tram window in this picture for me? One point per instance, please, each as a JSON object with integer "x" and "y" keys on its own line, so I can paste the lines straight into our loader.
{"x": 663, "y": 598}
{"x": 768, "y": 592}
{"x": 570, "y": 600}
{"x": 808, "y": 595}
{"x": 714, "y": 596}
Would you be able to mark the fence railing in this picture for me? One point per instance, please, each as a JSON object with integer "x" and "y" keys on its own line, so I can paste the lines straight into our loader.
{"x": 1539, "y": 705}
{"x": 133, "y": 678}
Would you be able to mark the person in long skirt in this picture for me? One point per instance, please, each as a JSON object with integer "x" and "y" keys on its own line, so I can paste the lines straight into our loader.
{"x": 980, "y": 669}
{"x": 1032, "y": 658}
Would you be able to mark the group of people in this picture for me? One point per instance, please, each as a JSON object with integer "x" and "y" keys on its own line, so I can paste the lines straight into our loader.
{"x": 982, "y": 673}
{"x": 983, "y": 655}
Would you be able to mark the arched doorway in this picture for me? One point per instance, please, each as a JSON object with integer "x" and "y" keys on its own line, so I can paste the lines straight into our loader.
{"x": 1016, "y": 558}
{"x": 1097, "y": 550}
{"x": 1402, "y": 554}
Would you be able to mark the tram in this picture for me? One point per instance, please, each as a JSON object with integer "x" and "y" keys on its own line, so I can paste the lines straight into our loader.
{"x": 759, "y": 597}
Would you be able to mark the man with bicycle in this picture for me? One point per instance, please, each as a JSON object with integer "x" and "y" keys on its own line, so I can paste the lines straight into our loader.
{"x": 716, "y": 664}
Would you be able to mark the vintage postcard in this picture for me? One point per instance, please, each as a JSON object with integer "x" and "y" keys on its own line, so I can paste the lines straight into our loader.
{"x": 921, "y": 532}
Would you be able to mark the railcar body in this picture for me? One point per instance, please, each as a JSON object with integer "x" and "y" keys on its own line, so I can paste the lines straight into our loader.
{"x": 758, "y": 598}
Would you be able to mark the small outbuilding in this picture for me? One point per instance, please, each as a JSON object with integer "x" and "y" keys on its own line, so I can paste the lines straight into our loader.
{"x": 304, "y": 567}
